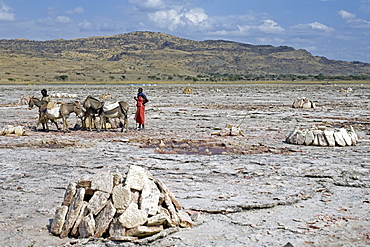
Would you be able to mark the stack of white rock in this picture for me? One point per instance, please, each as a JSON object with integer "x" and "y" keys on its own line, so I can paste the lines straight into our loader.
{"x": 303, "y": 103}
{"x": 323, "y": 136}
{"x": 229, "y": 130}
{"x": 118, "y": 208}
{"x": 16, "y": 130}
{"x": 63, "y": 95}
{"x": 188, "y": 90}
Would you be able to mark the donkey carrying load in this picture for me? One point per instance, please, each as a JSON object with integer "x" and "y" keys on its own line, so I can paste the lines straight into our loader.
{"x": 92, "y": 107}
{"x": 63, "y": 111}
{"x": 95, "y": 108}
{"x": 42, "y": 106}
{"x": 116, "y": 110}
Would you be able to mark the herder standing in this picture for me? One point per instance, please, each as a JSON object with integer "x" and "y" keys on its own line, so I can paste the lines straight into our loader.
{"x": 45, "y": 96}
{"x": 141, "y": 100}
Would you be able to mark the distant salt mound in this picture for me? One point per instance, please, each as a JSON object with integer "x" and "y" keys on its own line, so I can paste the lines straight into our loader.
{"x": 9, "y": 130}
{"x": 118, "y": 208}
{"x": 106, "y": 96}
{"x": 188, "y": 90}
{"x": 229, "y": 130}
{"x": 63, "y": 95}
{"x": 323, "y": 136}
{"x": 303, "y": 102}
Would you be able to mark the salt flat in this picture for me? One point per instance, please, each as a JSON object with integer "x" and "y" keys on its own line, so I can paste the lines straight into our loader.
{"x": 252, "y": 189}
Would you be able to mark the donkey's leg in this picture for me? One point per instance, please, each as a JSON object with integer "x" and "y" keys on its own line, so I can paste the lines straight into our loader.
{"x": 83, "y": 123}
{"x": 41, "y": 120}
{"x": 37, "y": 125}
{"x": 54, "y": 121}
{"x": 45, "y": 125}
{"x": 103, "y": 122}
{"x": 65, "y": 124}
{"x": 91, "y": 122}
{"x": 126, "y": 122}
{"x": 121, "y": 123}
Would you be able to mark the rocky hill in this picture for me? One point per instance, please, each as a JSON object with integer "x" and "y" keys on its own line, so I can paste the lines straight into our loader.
{"x": 157, "y": 56}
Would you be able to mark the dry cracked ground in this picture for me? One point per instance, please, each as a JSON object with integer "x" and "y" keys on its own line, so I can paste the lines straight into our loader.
{"x": 251, "y": 190}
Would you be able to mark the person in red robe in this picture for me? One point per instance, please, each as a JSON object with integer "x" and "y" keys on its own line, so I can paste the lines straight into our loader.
{"x": 141, "y": 100}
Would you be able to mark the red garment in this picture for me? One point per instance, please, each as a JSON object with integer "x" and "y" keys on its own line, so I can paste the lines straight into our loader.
{"x": 140, "y": 116}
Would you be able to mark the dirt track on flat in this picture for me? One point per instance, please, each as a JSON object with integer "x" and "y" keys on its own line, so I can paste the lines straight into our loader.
{"x": 252, "y": 190}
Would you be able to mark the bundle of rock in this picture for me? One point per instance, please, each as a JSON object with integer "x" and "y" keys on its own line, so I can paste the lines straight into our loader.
{"x": 63, "y": 95}
{"x": 106, "y": 96}
{"x": 229, "y": 130}
{"x": 188, "y": 90}
{"x": 323, "y": 136}
{"x": 347, "y": 90}
{"x": 118, "y": 208}
{"x": 9, "y": 129}
{"x": 303, "y": 103}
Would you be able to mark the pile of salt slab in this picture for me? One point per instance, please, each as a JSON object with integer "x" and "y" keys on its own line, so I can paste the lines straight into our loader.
{"x": 9, "y": 129}
{"x": 118, "y": 208}
{"x": 303, "y": 103}
{"x": 188, "y": 90}
{"x": 323, "y": 136}
{"x": 63, "y": 95}
{"x": 229, "y": 130}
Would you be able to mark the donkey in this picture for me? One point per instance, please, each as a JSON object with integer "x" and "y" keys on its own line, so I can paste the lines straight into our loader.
{"x": 120, "y": 112}
{"x": 41, "y": 104}
{"x": 67, "y": 108}
{"x": 63, "y": 111}
{"x": 92, "y": 108}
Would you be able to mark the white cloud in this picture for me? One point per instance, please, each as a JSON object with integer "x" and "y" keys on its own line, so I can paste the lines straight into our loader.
{"x": 244, "y": 28}
{"x": 267, "y": 26}
{"x": 270, "y": 26}
{"x": 148, "y": 4}
{"x": 312, "y": 26}
{"x": 266, "y": 40}
{"x": 86, "y": 26}
{"x": 78, "y": 10}
{"x": 6, "y": 13}
{"x": 353, "y": 21}
{"x": 63, "y": 19}
{"x": 346, "y": 15}
{"x": 169, "y": 19}
{"x": 196, "y": 15}
{"x": 173, "y": 19}
{"x": 319, "y": 26}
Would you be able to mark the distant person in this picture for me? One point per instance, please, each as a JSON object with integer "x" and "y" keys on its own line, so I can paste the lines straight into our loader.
{"x": 45, "y": 96}
{"x": 141, "y": 100}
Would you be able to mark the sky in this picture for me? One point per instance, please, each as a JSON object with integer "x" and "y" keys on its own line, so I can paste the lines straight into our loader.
{"x": 335, "y": 29}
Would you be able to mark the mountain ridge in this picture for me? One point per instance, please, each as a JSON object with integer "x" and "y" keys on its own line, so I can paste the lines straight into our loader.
{"x": 139, "y": 54}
